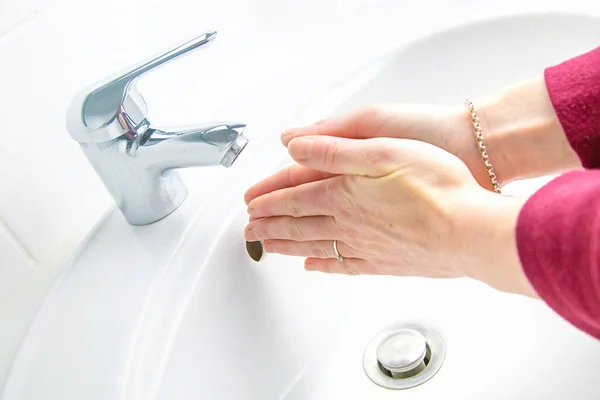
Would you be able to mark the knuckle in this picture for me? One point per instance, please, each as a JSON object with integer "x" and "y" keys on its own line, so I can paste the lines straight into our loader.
{"x": 367, "y": 112}
{"x": 351, "y": 185}
{"x": 269, "y": 246}
{"x": 339, "y": 193}
{"x": 331, "y": 155}
{"x": 294, "y": 205}
{"x": 284, "y": 247}
{"x": 370, "y": 118}
{"x": 296, "y": 232}
{"x": 317, "y": 250}
{"x": 381, "y": 153}
{"x": 290, "y": 175}
{"x": 346, "y": 208}
{"x": 262, "y": 230}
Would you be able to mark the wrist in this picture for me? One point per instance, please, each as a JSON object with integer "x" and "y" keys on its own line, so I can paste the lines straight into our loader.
{"x": 523, "y": 135}
{"x": 467, "y": 149}
{"x": 495, "y": 258}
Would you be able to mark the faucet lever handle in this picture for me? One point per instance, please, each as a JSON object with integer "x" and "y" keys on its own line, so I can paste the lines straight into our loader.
{"x": 157, "y": 61}
{"x": 114, "y": 99}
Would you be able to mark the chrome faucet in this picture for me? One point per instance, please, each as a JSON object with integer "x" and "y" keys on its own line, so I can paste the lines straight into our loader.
{"x": 137, "y": 161}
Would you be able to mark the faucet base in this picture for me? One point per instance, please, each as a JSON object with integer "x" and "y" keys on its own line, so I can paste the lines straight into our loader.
{"x": 168, "y": 195}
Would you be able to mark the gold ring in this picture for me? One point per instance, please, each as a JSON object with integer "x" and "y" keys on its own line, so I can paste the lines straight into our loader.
{"x": 336, "y": 251}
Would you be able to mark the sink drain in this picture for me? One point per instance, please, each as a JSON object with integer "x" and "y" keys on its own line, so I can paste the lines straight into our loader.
{"x": 403, "y": 356}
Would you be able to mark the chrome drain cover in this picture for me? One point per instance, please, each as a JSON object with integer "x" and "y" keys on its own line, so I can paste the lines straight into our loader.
{"x": 404, "y": 355}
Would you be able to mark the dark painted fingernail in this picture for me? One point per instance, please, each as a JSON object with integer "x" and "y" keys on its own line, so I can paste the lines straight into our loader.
{"x": 255, "y": 250}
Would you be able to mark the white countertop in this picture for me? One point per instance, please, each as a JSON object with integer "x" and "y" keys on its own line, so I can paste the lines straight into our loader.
{"x": 270, "y": 60}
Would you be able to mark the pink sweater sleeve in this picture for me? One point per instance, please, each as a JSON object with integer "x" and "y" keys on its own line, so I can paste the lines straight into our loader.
{"x": 558, "y": 230}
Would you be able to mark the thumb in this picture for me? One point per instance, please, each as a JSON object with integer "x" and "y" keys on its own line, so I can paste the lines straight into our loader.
{"x": 368, "y": 157}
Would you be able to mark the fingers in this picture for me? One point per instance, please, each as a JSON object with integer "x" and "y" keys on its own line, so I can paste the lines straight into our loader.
{"x": 315, "y": 248}
{"x": 314, "y": 198}
{"x": 363, "y": 123}
{"x": 291, "y": 176}
{"x": 369, "y": 157}
{"x": 290, "y": 228}
{"x": 340, "y": 126}
{"x": 349, "y": 266}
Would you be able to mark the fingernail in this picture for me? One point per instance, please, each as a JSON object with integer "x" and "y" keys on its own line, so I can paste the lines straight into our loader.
{"x": 251, "y": 211}
{"x": 255, "y": 251}
{"x": 299, "y": 148}
{"x": 286, "y": 136}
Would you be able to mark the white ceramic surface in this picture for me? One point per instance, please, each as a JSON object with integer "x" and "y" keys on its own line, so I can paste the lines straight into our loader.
{"x": 271, "y": 60}
{"x": 176, "y": 310}
{"x": 14, "y": 12}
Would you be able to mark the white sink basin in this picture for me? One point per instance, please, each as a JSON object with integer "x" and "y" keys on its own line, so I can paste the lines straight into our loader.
{"x": 177, "y": 310}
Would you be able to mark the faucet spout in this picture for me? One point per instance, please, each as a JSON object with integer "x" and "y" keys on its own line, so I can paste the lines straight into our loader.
{"x": 203, "y": 145}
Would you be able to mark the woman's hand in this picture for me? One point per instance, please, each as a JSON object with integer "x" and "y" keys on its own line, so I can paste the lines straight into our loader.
{"x": 395, "y": 206}
{"x": 522, "y": 133}
{"x": 448, "y": 128}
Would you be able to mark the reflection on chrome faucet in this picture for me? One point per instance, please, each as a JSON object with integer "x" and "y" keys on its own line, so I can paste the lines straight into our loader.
{"x": 136, "y": 160}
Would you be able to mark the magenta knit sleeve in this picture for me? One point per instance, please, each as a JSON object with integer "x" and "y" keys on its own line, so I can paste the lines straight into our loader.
{"x": 558, "y": 230}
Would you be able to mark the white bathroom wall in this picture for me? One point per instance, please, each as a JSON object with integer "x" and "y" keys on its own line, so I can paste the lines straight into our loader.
{"x": 13, "y": 12}
{"x": 44, "y": 181}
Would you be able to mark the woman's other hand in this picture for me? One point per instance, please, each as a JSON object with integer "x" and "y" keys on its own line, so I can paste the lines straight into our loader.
{"x": 395, "y": 206}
